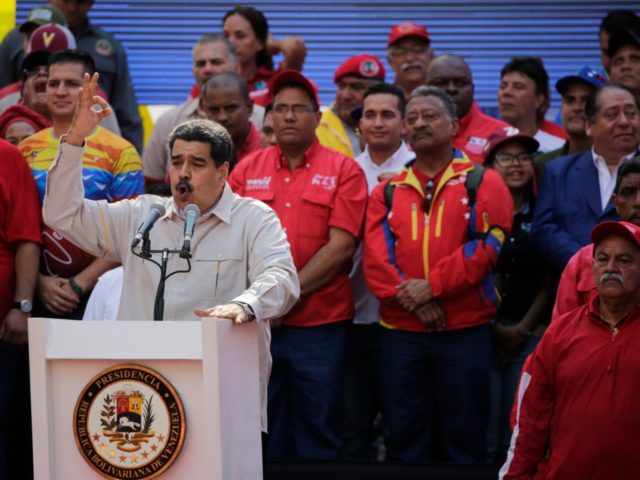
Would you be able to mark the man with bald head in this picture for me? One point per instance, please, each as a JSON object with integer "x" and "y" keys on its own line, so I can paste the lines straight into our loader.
{"x": 225, "y": 99}
{"x": 212, "y": 54}
{"x": 452, "y": 74}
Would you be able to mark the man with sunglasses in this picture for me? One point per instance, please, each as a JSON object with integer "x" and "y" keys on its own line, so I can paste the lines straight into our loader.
{"x": 429, "y": 252}
{"x": 320, "y": 196}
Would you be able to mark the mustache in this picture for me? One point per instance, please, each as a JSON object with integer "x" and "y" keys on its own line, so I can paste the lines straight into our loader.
{"x": 183, "y": 184}
{"x": 634, "y": 213}
{"x": 613, "y": 276}
{"x": 412, "y": 64}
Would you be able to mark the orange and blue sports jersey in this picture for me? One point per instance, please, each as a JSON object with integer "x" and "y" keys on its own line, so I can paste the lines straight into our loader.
{"x": 111, "y": 170}
{"x": 111, "y": 167}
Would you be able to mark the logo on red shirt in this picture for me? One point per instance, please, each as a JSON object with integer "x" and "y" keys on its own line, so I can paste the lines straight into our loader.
{"x": 258, "y": 183}
{"x": 324, "y": 181}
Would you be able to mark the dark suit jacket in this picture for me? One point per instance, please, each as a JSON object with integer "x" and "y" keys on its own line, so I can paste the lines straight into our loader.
{"x": 568, "y": 207}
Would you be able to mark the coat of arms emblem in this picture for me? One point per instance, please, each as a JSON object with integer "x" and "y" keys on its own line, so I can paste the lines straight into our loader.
{"x": 129, "y": 418}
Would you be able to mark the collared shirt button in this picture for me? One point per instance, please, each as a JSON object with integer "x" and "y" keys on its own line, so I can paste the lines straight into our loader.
{"x": 287, "y": 179}
{"x": 288, "y": 205}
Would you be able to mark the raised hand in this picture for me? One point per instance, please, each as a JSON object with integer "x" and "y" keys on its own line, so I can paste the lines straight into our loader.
{"x": 86, "y": 118}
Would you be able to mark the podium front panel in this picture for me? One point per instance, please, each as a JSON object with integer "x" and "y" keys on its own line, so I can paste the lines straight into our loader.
{"x": 219, "y": 391}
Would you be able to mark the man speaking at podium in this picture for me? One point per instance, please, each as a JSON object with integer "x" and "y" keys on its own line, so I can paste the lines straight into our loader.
{"x": 241, "y": 264}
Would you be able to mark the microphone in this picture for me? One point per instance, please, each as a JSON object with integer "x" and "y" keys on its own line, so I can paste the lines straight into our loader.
{"x": 157, "y": 211}
{"x": 191, "y": 213}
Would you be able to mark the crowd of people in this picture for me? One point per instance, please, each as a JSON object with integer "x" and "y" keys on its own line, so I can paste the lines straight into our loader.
{"x": 467, "y": 287}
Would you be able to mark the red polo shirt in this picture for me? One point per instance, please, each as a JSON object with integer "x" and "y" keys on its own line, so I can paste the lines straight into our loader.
{"x": 475, "y": 129}
{"x": 327, "y": 190}
{"x": 20, "y": 218}
{"x": 251, "y": 143}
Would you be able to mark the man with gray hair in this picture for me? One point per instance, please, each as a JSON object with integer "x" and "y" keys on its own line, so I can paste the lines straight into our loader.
{"x": 242, "y": 237}
{"x": 212, "y": 54}
{"x": 409, "y": 53}
{"x": 575, "y": 192}
{"x": 433, "y": 234}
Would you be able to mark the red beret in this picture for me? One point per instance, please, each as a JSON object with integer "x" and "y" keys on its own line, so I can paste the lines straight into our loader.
{"x": 363, "y": 66}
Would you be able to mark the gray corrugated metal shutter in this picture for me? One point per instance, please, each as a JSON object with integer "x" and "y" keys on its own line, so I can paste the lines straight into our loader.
{"x": 159, "y": 34}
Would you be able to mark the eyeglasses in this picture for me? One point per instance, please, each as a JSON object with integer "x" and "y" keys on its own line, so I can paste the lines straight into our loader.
{"x": 297, "y": 109}
{"x": 428, "y": 195}
{"x": 506, "y": 159}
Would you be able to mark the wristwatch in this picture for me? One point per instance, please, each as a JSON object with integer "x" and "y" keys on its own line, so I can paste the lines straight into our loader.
{"x": 247, "y": 309}
{"x": 25, "y": 306}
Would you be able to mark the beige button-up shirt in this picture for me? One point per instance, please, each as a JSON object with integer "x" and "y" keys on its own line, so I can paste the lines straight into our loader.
{"x": 240, "y": 251}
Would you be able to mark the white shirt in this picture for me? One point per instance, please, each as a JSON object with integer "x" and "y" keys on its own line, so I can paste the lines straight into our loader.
{"x": 105, "y": 297}
{"x": 367, "y": 305}
{"x": 606, "y": 178}
{"x": 547, "y": 141}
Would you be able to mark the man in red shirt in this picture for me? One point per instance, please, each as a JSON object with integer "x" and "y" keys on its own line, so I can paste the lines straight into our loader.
{"x": 428, "y": 256}
{"x": 225, "y": 99}
{"x": 320, "y": 196}
{"x": 20, "y": 241}
{"x": 577, "y": 410}
{"x": 576, "y": 283}
{"x": 452, "y": 74}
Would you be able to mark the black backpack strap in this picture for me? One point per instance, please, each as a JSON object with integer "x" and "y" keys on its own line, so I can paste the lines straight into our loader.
{"x": 473, "y": 181}
{"x": 389, "y": 188}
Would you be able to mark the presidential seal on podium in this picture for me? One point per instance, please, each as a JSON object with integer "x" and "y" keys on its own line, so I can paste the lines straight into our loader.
{"x": 129, "y": 423}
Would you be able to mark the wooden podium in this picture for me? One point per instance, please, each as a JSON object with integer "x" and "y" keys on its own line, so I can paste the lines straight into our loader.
{"x": 212, "y": 365}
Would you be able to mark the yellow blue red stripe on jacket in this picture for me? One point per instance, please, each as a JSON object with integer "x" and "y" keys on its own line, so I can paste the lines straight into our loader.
{"x": 455, "y": 244}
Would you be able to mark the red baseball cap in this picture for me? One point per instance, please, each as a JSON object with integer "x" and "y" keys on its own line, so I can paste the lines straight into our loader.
{"x": 623, "y": 229}
{"x": 364, "y": 65}
{"x": 509, "y": 134}
{"x": 407, "y": 29}
{"x": 287, "y": 77}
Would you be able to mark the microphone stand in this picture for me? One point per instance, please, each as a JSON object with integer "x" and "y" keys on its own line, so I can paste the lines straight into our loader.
{"x": 146, "y": 254}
